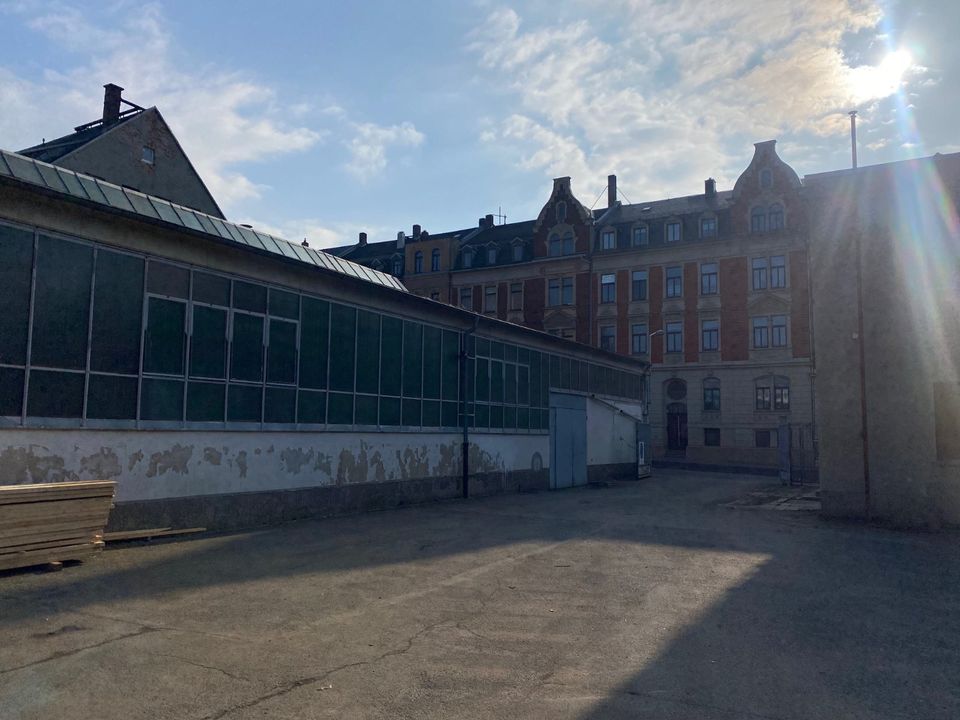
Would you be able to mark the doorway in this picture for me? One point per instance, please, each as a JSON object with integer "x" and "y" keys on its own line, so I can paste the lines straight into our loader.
{"x": 568, "y": 441}
{"x": 677, "y": 429}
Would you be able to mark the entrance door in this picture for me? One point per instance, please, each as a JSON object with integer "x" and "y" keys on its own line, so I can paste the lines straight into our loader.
{"x": 677, "y": 428}
{"x": 568, "y": 441}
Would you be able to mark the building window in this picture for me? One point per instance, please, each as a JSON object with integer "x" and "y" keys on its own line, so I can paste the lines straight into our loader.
{"x": 711, "y": 437}
{"x": 554, "y": 246}
{"x": 781, "y": 397}
{"x": 708, "y": 227}
{"x": 466, "y": 298}
{"x": 491, "y": 256}
{"x": 518, "y": 252}
{"x": 708, "y": 279}
{"x": 761, "y": 332}
{"x": 608, "y": 338}
{"x": 398, "y": 266}
{"x": 568, "y": 243}
{"x": 778, "y": 271}
{"x": 778, "y": 331}
{"x": 674, "y": 337}
{"x": 759, "y": 273}
{"x": 766, "y": 179}
{"x": 639, "y": 284}
{"x": 711, "y": 395}
{"x": 435, "y": 260}
{"x": 565, "y": 333}
{"x": 710, "y": 336}
{"x": 148, "y": 155}
{"x": 775, "y": 218}
{"x": 418, "y": 262}
{"x": 674, "y": 282}
{"x": 490, "y": 299}
{"x": 758, "y": 220}
{"x": 638, "y": 339}
{"x": 560, "y": 291}
{"x": 608, "y": 240}
{"x": 561, "y": 211}
{"x": 640, "y": 236}
{"x": 516, "y": 296}
{"x": 763, "y": 397}
{"x": 608, "y": 288}
{"x": 468, "y": 258}
{"x": 765, "y": 438}
{"x": 673, "y": 231}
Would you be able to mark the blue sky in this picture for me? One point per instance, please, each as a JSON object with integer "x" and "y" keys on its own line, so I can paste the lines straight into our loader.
{"x": 321, "y": 120}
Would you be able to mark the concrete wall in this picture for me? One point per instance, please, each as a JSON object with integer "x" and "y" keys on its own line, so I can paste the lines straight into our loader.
{"x": 611, "y": 442}
{"x": 153, "y": 467}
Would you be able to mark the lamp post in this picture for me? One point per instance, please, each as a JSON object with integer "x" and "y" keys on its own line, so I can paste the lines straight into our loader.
{"x": 647, "y": 393}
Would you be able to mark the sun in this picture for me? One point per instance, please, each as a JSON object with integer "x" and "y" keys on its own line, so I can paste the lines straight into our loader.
{"x": 870, "y": 82}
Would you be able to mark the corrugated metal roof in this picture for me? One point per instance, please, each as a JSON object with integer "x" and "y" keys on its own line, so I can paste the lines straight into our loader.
{"x": 89, "y": 189}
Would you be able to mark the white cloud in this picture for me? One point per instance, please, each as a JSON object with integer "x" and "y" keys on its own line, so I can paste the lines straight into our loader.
{"x": 221, "y": 118}
{"x": 368, "y": 146}
{"x": 668, "y": 93}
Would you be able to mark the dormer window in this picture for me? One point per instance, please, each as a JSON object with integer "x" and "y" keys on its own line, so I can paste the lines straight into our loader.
{"x": 640, "y": 236}
{"x": 148, "y": 155}
{"x": 673, "y": 231}
{"x": 491, "y": 256}
{"x": 708, "y": 227}
{"x": 518, "y": 252}
{"x": 608, "y": 240}
{"x": 758, "y": 220}
{"x": 775, "y": 217}
{"x": 468, "y": 258}
{"x": 561, "y": 211}
{"x": 766, "y": 179}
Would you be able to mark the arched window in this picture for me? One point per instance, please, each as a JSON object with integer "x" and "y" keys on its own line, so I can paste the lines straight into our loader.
{"x": 398, "y": 266}
{"x": 468, "y": 258}
{"x": 775, "y": 217}
{"x": 711, "y": 395}
{"x": 418, "y": 262}
{"x": 758, "y": 220}
{"x": 492, "y": 255}
{"x": 435, "y": 260}
{"x": 568, "y": 243}
{"x": 561, "y": 211}
{"x": 555, "y": 247}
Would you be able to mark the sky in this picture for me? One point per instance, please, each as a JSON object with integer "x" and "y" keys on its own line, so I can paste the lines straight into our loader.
{"x": 320, "y": 120}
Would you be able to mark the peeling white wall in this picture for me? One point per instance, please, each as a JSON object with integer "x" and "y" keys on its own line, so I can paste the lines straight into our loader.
{"x": 151, "y": 465}
{"x": 611, "y": 435}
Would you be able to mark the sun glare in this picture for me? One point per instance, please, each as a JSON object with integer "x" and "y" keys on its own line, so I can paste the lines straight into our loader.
{"x": 878, "y": 81}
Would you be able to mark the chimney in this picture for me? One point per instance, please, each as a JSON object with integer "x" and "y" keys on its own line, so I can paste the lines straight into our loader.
{"x": 853, "y": 137}
{"x": 111, "y": 103}
{"x": 401, "y": 239}
{"x": 611, "y": 190}
{"x": 363, "y": 239}
{"x": 416, "y": 232}
{"x": 710, "y": 187}
{"x": 488, "y": 219}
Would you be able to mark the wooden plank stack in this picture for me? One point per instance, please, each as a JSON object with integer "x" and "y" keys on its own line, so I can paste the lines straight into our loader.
{"x": 52, "y": 522}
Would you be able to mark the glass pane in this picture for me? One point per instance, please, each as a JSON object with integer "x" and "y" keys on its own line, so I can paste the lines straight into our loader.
{"x": 188, "y": 218}
{"x": 247, "y": 296}
{"x": 510, "y": 383}
{"x": 343, "y": 336}
{"x": 166, "y": 211}
{"x": 24, "y": 168}
{"x": 16, "y": 269}
{"x": 72, "y": 183}
{"x": 366, "y": 410}
{"x": 243, "y": 403}
{"x": 208, "y": 344}
{"x": 161, "y": 399}
{"x": 432, "y": 353}
{"x": 117, "y": 313}
{"x": 391, "y": 342}
{"x": 389, "y": 412}
{"x": 312, "y": 407}
{"x": 51, "y": 177}
{"x": 284, "y": 304}
{"x": 314, "y": 336}
{"x": 164, "y": 338}
{"x": 368, "y": 353}
{"x": 169, "y": 280}
{"x": 411, "y": 413}
{"x": 11, "y": 392}
{"x": 55, "y": 394}
{"x": 341, "y": 409}
{"x": 205, "y": 401}
{"x": 431, "y": 413}
{"x": 246, "y": 349}
{"x": 280, "y": 405}
{"x": 451, "y": 365}
{"x": 496, "y": 381}
{"x": 482, "y": 382}
{"x": 450, "y": 415}
{"x": 115, "y": 196}
{"x": 412, "y": 360}
{"x": 282, "y": 352}
{"x": 61, "y": 304}
{"x": 110, "y": 397}
{"x": 92, "y": 189}
{"x": 141, "y": 204}
{"x": 212, "y": 289}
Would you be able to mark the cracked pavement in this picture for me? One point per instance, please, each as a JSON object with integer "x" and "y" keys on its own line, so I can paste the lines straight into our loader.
{"x": 651, "y": 599}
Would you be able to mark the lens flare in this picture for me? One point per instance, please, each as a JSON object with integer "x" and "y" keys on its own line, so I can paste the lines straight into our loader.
{"x": 871, "y": 82}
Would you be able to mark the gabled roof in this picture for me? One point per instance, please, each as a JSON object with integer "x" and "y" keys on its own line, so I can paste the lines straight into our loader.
{"x": 499, "y": 234}
{"x": 670, "y": 207}
{"x": 52, "y": 150}
{"x": 78, "y": 187}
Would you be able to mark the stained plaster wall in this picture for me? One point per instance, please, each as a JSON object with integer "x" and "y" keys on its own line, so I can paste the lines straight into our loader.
{"x": 611, "y": 435}
{"x": 154, "y": 465}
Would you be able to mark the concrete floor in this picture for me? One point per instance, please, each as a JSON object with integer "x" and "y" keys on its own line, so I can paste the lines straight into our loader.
{"x": 642, "y": 600}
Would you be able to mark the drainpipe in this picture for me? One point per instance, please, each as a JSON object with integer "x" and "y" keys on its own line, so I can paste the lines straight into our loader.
{"x": 464, "y": 405}
{"x": 863, "y": 379}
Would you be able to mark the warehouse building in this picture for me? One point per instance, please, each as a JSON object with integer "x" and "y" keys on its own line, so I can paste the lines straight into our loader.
{"x": 224, "y": 377}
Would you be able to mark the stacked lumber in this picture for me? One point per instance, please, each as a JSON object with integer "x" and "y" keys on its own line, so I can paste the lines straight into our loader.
{"x": 52, "y": 522}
